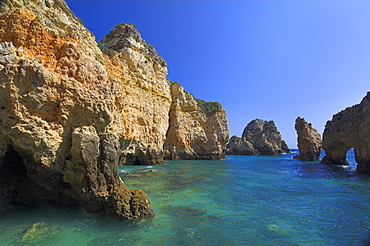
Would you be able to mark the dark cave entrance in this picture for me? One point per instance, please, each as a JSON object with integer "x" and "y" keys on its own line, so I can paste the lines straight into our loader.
{"x": 136, "y": 161}
{"x": 12, "y": 170}
{"x": 13, "y": 175}
{"x": 16, "y": 187}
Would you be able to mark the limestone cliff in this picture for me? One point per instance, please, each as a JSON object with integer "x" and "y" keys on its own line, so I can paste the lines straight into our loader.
{"x": 60, "y": 121}
{"x": 262, "y": 135}
{"x": 198, "y": 130}
{"x": 348, "y": 129}
{"x": 309, "y": 141}
{"x": 146, "y": 97}
{"x": 70, "y": 113}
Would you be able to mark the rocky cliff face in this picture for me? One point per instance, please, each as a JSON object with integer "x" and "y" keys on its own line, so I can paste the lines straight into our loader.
{"x": 60, "y": 123}
{"x": 309, "y": 141}
{"x": 348, "y": 129}
{"x": 69, "y": 114}
{"x": 259, "y": 138}
{"x": 146, "y": 95}
{"x": 198, "y": 130}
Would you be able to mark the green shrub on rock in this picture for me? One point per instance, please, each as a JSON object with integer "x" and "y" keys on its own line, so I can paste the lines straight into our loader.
{"x": 209, "y": 108}
{"x": 106, "y": 50}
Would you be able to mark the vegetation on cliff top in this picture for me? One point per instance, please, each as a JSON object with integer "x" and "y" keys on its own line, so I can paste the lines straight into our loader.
{"x": 209, "y": 108}
{"x": 106, "y": 50}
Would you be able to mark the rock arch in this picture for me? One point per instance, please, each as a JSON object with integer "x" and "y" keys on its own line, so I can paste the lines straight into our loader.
{"x": 348, "y": 129}
{"x": 336, "y": 153}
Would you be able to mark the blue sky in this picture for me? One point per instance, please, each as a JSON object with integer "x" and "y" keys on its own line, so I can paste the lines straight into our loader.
{"x": 274, "y": 60}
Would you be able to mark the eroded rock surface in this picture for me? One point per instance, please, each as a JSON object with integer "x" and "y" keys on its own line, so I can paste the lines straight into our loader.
{"x": 309, "y": 141}
{"x": 262, "y": 135}
{"x": 198, "y": 129}
{"x": 60, "y": 121}
{"x": 70, "y": 113}
{"x": 145, "y": 97}
{"x": 348, "y": 129}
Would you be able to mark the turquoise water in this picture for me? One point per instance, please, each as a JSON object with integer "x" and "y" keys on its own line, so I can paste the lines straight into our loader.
{"x": 243, "y": 200}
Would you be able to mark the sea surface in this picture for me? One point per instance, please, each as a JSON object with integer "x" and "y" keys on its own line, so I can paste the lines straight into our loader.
{"x": 243, "y": 200}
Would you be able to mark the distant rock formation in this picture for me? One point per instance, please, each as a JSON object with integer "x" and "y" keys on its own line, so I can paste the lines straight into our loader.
{"x": 240, "y": 146}
{"x": 72, "y": 110}
{"x": 259, "y": 138}
{"x": 348, "y": 129}
{"x": 198, "y": 129}
{"x": 309, "y": 141}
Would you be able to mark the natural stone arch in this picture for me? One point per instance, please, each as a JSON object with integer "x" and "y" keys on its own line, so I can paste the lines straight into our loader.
{"x": 336, "y": 153}
{"x": 348, "y": 129}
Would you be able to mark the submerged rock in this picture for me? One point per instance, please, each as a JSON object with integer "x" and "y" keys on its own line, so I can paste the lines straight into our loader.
{"x": 309, "y": 141}
{"x": 277, "y": 229}
{"x": 348, "y": 129}
{"x": 37, "y": 233}
{"x": 259, "y": 138}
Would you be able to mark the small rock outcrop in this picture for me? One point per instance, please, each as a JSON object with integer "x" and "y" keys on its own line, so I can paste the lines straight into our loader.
{"x": 37, "y": 233}
{"x": 348, "y": 129}
{"x": 309, "y": 141}
{"x": 240, "y": 146}
{"x": 198, "y": 129}
{"x": 259, "y": 138}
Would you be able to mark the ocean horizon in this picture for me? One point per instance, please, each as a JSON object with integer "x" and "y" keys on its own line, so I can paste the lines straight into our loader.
{"x": 242, "y": 200}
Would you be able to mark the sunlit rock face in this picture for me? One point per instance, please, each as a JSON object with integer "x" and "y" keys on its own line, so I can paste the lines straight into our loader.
{"x": 146, "y": 97}
{"x": 198, "y": 129}
{"x": 309, "y": 141}
{"x": 61, "y": 123}
{"x": 348, "y": 129}
{"x": 72, "y": 110}
{"x": 259, "y": 138}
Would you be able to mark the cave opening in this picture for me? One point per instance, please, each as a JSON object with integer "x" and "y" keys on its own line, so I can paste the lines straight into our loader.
{"x": 12, "y": 170}
{"x": 16, "y": 187}
{"x": 136, "y": 161}
{"x": 13, "y": 176}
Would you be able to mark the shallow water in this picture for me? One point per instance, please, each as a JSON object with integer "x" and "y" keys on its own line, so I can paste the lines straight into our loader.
{"x": 243, "y": 200}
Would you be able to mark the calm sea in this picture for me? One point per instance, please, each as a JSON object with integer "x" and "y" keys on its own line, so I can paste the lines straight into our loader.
{"x": 243, "y": 200}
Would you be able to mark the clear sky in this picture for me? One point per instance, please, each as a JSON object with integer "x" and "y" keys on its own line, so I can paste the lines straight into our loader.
{"x": 273, "y": 60}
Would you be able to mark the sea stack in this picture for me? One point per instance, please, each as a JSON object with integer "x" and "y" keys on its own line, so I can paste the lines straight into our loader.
{"x": 197, "y": 129}
{"x": 259, "y": 138}
{"x": 309, "y": 141}
{"x": 72, "y": 110}
{"x": 348, "y": 129}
